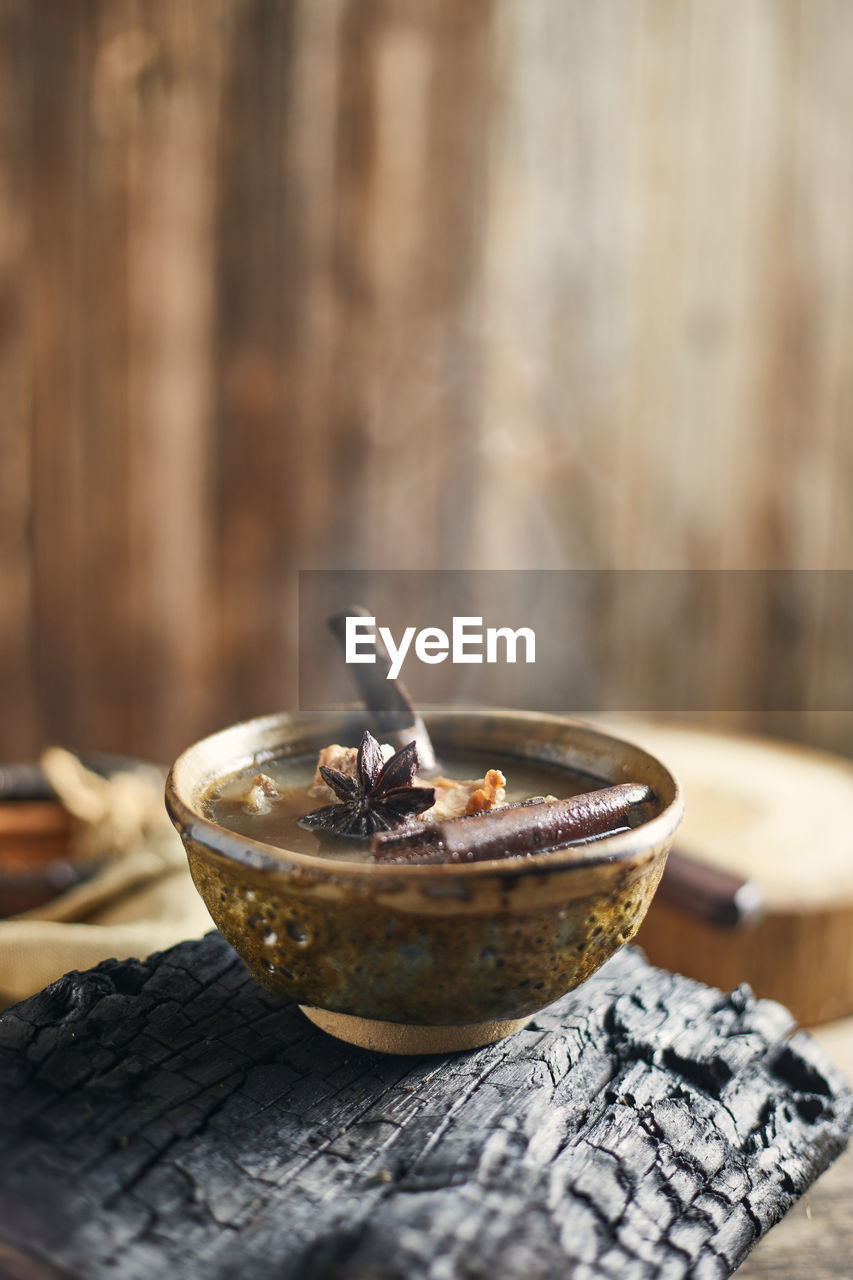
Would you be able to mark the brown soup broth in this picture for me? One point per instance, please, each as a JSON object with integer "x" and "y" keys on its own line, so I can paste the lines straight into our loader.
{"x": 294, "y": 775}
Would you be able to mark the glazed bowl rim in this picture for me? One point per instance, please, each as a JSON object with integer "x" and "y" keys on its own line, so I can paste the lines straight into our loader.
{"x": 183, "y": 794}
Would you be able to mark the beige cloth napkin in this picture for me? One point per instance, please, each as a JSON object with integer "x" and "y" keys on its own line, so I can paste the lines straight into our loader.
{"x": 141, "y": 899}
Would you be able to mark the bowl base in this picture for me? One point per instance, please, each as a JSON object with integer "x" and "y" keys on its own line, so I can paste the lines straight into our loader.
{"x": 401, "y": 1037}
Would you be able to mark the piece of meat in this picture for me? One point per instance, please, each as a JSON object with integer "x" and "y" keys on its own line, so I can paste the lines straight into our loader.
{"x": 262, "y": 794}
{"x": 455, "y": 797}
{"x": 342, "y": 759}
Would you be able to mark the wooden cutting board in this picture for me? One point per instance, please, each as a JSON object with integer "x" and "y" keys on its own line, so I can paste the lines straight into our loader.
{"x": 780, "y": 814}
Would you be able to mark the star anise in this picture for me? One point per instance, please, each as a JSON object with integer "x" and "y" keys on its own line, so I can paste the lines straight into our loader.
{"x": 381, "y": 795}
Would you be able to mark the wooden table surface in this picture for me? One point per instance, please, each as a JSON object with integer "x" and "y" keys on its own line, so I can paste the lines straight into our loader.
{"x": 815, "y": 1240}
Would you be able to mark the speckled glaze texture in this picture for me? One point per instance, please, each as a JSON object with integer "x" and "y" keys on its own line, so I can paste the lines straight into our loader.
{"x": 426, "y": 945}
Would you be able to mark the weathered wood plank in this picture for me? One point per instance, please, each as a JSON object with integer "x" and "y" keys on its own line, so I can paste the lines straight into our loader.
{"x": 257, "y": 469}
{"x": 18, "y": 694}
{"x": 167, "y": 1116}
{"x": 169, "y": 134}
{"x": 402, "y": 283}
{"x": 415, "y": 108}
{"x": 89, "y": 68}
{"x": 63, "y": 66}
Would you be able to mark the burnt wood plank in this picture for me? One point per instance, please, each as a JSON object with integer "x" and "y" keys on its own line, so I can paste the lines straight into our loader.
{"x": 170, "y": 1116}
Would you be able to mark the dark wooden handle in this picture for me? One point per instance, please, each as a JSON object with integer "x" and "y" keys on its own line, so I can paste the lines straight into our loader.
{"x": 717, "y": 896}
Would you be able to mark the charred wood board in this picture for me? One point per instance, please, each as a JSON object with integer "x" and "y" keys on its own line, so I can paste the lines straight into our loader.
{"x": 171, "y": 1118}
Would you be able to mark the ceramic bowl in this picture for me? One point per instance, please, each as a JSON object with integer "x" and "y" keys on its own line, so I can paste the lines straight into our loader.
{"x": 414, "y": 959}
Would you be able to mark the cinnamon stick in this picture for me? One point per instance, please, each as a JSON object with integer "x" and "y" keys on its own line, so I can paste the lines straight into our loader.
{"x": 519, "y": 830}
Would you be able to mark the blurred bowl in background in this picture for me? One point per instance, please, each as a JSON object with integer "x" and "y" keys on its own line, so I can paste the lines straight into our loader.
{"x": 37, "y": 860}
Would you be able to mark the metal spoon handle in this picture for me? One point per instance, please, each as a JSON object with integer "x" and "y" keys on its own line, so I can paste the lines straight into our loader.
{"x": 389, "y": 702}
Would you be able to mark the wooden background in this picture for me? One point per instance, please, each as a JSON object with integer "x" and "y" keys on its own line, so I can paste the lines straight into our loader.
{"x": 417, "y": 283}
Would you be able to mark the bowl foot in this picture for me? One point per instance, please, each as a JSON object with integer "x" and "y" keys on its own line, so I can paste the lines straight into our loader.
{"x": 400, "y": 1037}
